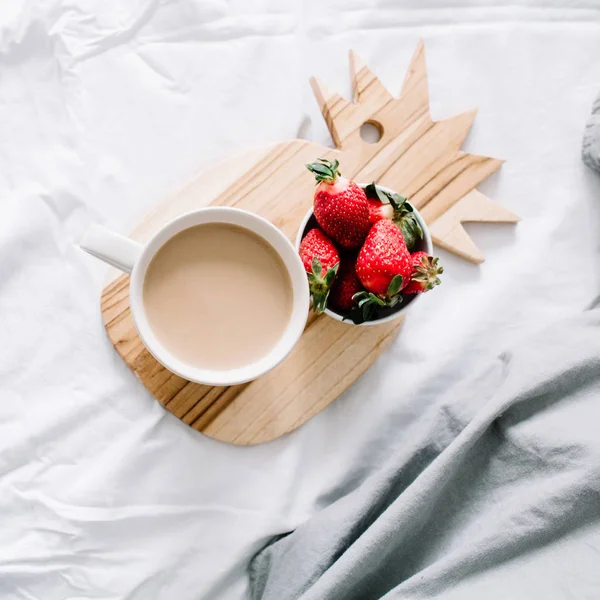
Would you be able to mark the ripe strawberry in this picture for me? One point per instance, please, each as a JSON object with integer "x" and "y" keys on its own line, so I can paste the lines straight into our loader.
{"x": 383, "y": 205}
{"x": 424, "y": 275}
{"x": 378, "y": 210}
{"x": 383, "y": 266}
{"x": 346, "y": 285}
{"x": 340, "y": 206}
{"x": 321, "y": 261}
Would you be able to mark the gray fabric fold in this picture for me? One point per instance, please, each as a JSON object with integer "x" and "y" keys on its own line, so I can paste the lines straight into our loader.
{"x": 591, "y": 138}
{"x": 505, "y": 504}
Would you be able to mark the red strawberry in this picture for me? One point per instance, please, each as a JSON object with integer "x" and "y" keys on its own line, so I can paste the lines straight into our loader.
{"x": 383, "y": 266}
{"x": 385, "y": 205}
{"x": 424, "y": 275}
{"x": 378, "y": 210}
{"x": 321, "y": 261}
{"x": 340, "y": 206}
{"x": 346, "y": 285}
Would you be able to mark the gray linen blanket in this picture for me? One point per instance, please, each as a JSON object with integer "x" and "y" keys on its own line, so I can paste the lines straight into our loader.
{"x": 591, "y": 138}
{"x": 497, "y": 497}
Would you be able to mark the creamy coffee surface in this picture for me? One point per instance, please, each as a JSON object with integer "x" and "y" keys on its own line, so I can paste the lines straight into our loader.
{"x": 217, "y": 296}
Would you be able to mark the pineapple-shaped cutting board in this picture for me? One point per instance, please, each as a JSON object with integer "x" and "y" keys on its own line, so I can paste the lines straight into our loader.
{"x": 415, "y": 156}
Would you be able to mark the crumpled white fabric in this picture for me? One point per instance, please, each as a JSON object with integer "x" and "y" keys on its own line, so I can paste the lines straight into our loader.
{"x": 106, "y": 107}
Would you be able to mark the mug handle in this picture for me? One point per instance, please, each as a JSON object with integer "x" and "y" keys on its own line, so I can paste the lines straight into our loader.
{"x": 110, "y": 247}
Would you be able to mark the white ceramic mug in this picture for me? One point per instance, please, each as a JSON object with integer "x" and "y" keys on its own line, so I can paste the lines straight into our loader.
{"x": 134, "y": 258}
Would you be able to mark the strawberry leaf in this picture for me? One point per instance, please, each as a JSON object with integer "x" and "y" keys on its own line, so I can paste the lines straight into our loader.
{"x": 395, "y": 286}
{"x": 395, "y": 300}
{"x": 366, "y": 306}
{"x": 362, "y": 298}
{"x": 317, "y": 269}
{"x": 325, "y": 170}
{"x": 331, "y": 273}
{"x": 398, "y": 201}
{"x": 320, "y": 286}
{"x": 368, "y": 311}
{"x": 320, "y": 169}
{"x": 372, "y": 191}
{"x": 406, "y": 220}
{"x": 376, "y": 300}
{"x": 426, "y": 273}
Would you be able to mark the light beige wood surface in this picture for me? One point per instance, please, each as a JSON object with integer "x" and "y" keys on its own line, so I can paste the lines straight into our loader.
{"x": 416, "y": 156}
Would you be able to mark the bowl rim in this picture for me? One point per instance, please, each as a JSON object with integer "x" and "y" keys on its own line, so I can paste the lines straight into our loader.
{"x": 402, "y": 309}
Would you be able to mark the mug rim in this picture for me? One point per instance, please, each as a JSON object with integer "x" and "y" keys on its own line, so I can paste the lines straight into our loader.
{"x": 402, "y": 309}
{"x": 280, "y": 244}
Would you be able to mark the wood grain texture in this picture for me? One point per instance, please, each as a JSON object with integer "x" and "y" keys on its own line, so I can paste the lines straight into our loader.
{"x": 415, "y": 156}
{"x": 447, "y": 231}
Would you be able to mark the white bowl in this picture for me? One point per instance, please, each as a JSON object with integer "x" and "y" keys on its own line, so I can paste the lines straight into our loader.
{"x": 425, "y": 245}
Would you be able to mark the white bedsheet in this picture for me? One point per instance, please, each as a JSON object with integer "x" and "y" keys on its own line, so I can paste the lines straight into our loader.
{"x": 107, "y": 106}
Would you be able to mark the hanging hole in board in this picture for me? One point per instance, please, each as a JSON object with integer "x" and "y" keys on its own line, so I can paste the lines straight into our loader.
{"x": 371, "y": 132}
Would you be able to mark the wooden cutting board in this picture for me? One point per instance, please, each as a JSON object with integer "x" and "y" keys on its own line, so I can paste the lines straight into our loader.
{"x": 416, "y": 156}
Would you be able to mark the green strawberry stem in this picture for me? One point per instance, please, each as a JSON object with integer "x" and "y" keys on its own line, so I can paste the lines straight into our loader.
{"x": 325, "y": 170}
{"x": 321, "y": 285}
{"x": 427, "y": 273}
{"x": 367, "y": 302}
